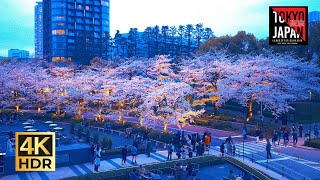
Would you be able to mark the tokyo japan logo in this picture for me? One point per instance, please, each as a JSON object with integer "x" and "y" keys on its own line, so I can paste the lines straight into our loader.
{"x": 35, "y": 151}
{"x": 288, "y": 25}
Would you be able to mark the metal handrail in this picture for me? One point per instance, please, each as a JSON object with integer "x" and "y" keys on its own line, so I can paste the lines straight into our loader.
{"x": 279, "y": 165}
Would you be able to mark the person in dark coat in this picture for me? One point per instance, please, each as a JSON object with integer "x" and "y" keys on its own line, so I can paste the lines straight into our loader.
{"x": 124, "y": 152}
{"x": 268, "y": 148}
{"x": 295, "y": 138}
{"x": 222, "y": 149}
{"x": 148, "y": 148}
{"x": 300, "y": 130}
{"x": 198, "y": 149}
{"x": 92, "y": 152}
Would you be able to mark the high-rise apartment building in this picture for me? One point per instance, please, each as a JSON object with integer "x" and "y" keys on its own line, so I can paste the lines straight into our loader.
{"x": 74, "y": 30}
{"x": 38, "y": 21}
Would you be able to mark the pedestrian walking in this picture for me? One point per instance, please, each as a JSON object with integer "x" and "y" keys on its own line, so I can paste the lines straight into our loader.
{"x": 134, "y": 153}
{"x": 257, "y": 134}
{"x": 268, "y": 148}
{"x": 295, "y": 138}
{"x": 124, "y": 152}
{"x": 274, "y": 138}
{"x": 97, "y": 163}
{"x": 170, "y": 150}
{"x": 300, "y": 130}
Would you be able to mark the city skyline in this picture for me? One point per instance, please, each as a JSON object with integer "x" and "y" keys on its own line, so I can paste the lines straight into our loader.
{"x": 18, "y": 17}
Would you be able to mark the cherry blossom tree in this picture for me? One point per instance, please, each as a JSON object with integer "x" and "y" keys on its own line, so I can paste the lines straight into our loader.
{"x": 167, "y": 104}
{"x": 275, "y": 81}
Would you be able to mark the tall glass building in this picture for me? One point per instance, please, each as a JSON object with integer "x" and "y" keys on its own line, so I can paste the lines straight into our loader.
{"x": 38, "y": 21}
{"x": 74, "y": 30}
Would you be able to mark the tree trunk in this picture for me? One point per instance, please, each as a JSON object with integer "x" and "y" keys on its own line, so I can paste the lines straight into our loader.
{"x": 17, "y": 108}
{"x": 58, "y": 110}
{"x": 120, "y": 117}
{"x": 141, "y": 119}
{"x": 165, "y": 127}
{"x": 215, "y": 108}
{"x": 249, "y": 110}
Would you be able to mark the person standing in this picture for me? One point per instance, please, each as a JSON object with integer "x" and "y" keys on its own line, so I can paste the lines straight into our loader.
{"x": 124, "y": 152}
{"x": 170, "y": 150}
{"x": 134, "y": 152}
{"x": 148, "y": 148}
{"x": 98, "y": 152}
{"x": 193, "y": 141}
{"x": 222, "y": 149}
{"x": 244, "y": 131}
{"x": 268, "y": 148}
{"x": 295, "y": 138}
{"x": 300, "y": 130}
{"x": 198, "y": 149}
{"x": 207, "y": 140}
{"x": 97, "y": 163}
{"x": 92, "y": 151}
{"x": 274, "y": 138}
{"x": 233, "y": 150}
{"x": 229, "y": 148}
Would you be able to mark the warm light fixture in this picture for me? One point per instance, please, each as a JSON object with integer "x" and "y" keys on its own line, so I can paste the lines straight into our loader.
{"x": 47, "y": 90}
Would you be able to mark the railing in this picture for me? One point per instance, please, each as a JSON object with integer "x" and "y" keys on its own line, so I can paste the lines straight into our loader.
{"x": 274, "y": 166}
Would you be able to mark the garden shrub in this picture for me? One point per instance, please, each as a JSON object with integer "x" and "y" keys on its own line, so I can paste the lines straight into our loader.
{"x": 87, "y": 135}
{"x": 105, "y": 142}
{"x": 95, "y": 137}
{"x": 72, "y": 126}
{"x": 315, "y": 143}
{"x": 80, "y": 130}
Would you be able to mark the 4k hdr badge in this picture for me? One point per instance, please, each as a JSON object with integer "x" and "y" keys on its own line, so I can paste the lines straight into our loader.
{"x": 35, "y": 151}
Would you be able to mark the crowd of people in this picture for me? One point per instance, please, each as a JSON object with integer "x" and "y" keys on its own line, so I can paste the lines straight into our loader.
{"x": 228, "y": 146}
{"x": 185, "y": 145}
{"x": 9, "y": 119}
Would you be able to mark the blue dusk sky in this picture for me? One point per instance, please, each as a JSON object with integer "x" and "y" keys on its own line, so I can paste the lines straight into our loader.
{"x": 223, "y": 16}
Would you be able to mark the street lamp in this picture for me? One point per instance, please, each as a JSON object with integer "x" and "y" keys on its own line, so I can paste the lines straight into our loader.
{"x": 310, "y": 93}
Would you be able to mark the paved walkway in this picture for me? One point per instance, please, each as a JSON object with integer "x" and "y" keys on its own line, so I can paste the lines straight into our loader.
{"x": 86, "y": 168}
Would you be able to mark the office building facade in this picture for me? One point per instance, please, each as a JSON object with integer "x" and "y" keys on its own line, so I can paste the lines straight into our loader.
{"x": 38, "y": 21}
{"x": 17, "y": 53}
{"x": 74, "y": 30}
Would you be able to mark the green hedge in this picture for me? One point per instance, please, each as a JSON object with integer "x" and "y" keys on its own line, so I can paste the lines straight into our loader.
{"x": 315, "y": 143}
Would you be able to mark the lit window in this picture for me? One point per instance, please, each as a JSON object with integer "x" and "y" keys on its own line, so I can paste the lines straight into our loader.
{"x": 58, "y": 32}
{"x": 87, "y": 8}
{"x": 104, "y": 3}
{"x": 55, "y": 59}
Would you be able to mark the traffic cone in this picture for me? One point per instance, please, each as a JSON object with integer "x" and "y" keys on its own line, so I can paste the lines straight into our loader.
{"x": 279, "y": 150}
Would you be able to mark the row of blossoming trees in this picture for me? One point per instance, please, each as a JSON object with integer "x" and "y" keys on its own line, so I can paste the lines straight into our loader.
{"x": 158, "y": 90}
